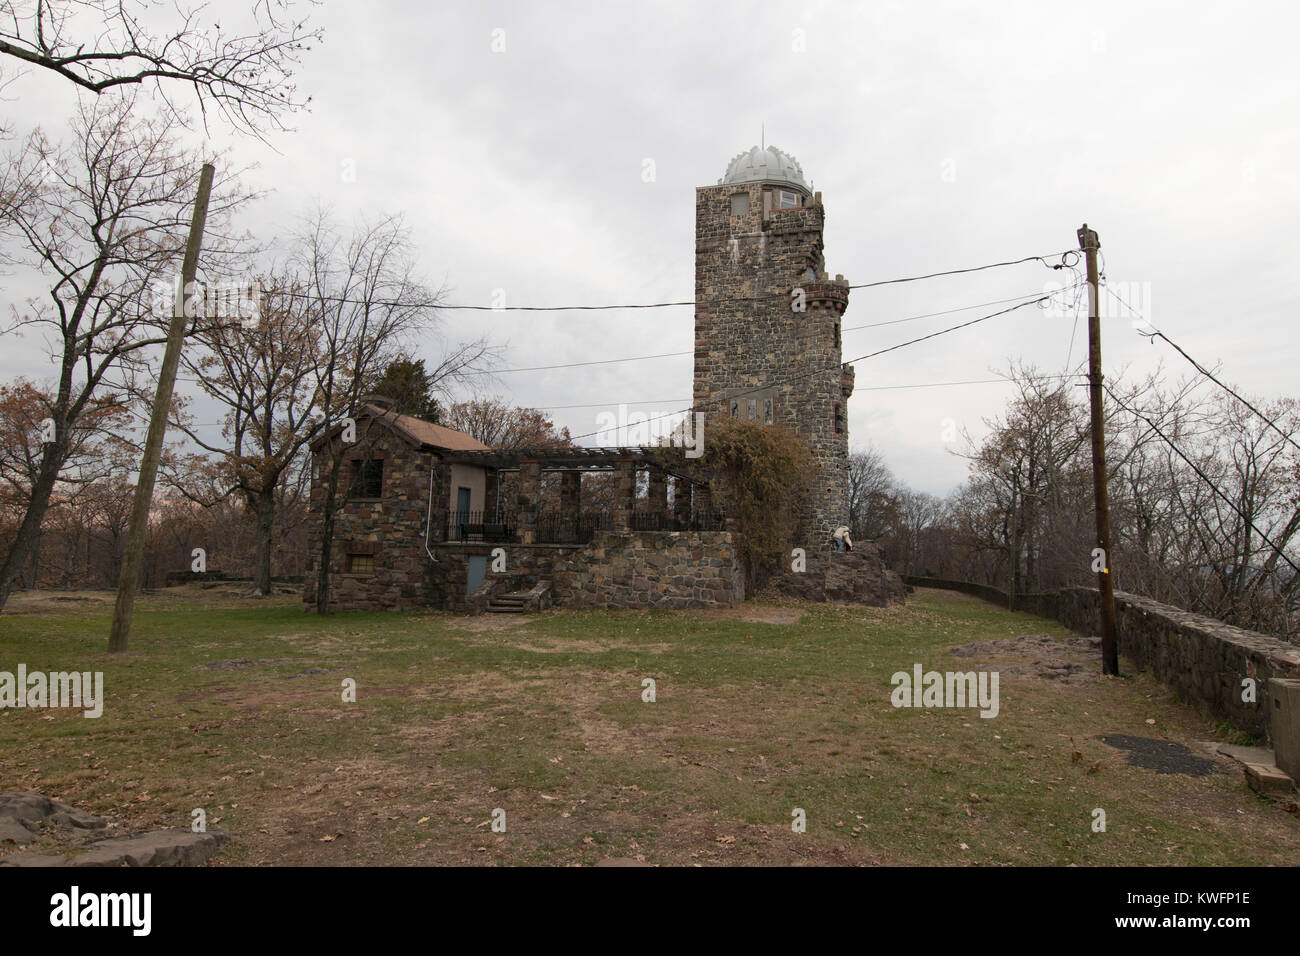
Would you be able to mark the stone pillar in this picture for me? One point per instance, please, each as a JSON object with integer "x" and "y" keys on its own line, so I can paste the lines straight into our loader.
{"x": 624, "y": 494}
{"x": 530, "y": 488}
{"x": 657, "y": 502}
{"x": 682, "y": 501}
{"x": 491, "y": 481}
{"x": 571, "y": 495}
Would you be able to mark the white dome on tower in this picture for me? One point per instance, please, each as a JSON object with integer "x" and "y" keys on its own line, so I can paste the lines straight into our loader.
{"x": 765, "y": 164}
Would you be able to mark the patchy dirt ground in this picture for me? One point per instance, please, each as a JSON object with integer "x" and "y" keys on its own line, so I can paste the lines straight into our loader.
{"x": 761, "y": 713}
{"x": 1069, "y": 661}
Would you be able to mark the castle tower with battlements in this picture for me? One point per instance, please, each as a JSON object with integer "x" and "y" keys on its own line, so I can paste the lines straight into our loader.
{"x": 767, "y": 319}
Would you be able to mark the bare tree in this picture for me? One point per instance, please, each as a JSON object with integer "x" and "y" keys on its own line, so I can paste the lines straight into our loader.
{"x": 263, "y": 372}
{"x": 871, "y": 484}
{"x": 498, "y": 424}
{"x": 98, "y": 449}
{"x": 245, "y": 71}
{"x": 106, "y": 230}
{"x": 364, "y": 299}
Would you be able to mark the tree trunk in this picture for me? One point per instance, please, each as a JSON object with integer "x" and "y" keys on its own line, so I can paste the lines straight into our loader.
{"x": 265, "y": 505}
{"x": 34, "y": 562}
{"x": 327, "y": 535}
{"x": 30, "y": 530}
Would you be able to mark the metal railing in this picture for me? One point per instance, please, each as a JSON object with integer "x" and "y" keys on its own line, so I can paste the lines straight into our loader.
{"x": 559, "y": 528}
{"x": 477, "y": 526}
{"x": 554, "y": 527}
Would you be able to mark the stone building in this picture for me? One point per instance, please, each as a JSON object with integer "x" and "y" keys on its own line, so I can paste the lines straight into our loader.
{"x": 767, "y": 320}
{"x": 395, "y": 477}
{"x": 422, "y": 519}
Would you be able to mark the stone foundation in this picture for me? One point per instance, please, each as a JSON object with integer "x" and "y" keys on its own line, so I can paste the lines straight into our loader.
{"x": 618, "y": 569}
{"x": 652, "y": 569}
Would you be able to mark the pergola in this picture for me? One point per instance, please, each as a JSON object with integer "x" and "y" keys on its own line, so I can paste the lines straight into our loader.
{"x": 689, "y": 495}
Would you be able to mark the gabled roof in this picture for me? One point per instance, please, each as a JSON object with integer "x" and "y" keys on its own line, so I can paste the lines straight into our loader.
{"x": 427, "y": 433}
{"x": 422, "y": 434}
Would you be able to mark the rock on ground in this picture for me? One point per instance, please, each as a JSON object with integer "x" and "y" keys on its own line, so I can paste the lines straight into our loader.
{"x": 23, "y": 814}
{"x": 155, "y": 848}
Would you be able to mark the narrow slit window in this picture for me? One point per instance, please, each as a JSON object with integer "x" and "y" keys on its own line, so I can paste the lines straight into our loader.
{"x": 368, "y": 478}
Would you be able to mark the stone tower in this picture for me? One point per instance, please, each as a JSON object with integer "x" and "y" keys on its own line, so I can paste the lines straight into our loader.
{"x": 767, "y": 320}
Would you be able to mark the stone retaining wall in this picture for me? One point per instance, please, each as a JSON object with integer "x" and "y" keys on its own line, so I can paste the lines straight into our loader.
{"x": 652, "y": 569}
{"x": 849, "y": 577}
{"x": 618, "y": 569}
{"x": 1202, "y": 659}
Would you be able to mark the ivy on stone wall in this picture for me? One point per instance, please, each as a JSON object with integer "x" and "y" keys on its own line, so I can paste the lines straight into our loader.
{"x": 759, "y": 475}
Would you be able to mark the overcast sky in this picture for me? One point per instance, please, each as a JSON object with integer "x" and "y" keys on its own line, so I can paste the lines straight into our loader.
{"x": 941, "y": 136}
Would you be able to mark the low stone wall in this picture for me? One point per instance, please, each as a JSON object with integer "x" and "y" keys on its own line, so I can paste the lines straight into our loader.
{"x": 651, "y": 569}
{"x": 849, "y": 577}
{"x": 1204, "y": 660}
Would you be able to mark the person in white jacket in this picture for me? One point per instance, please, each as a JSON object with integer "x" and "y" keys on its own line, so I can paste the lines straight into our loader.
{"x": 842, "y": 540}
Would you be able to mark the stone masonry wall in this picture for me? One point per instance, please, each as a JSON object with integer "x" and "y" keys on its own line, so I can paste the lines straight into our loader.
{"x": 652, "y": 569}
{"x": 850, "y": 577}
{"x": 390, "y": 528}
{"x": 618, "y": 569}
{"x": 748, "y": 339}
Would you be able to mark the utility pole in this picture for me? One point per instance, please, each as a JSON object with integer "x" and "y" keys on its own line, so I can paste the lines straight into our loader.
{"x": 1089, "y": 243}
{"x": 133, "y": 556}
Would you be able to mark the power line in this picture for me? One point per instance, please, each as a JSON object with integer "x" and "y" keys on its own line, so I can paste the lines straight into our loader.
{"x": 397, "y": 303}
{"x": 855, "y": 328}
{"x": 861, "y": 388}
{"x": 965, "y": 308}
{"x": 992, "y": 265}
{"x": 1205, "y": 478}
{"x": 828, "y": 368}
{"x": 1156, "y": 333}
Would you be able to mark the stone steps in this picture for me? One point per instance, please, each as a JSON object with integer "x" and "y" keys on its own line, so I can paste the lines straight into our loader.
{"x": 508, "y": 603}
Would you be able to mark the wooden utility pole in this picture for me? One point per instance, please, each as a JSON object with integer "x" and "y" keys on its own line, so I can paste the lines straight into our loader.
{"x": 1089, "y": 243}
{"x": 129, "y": 580}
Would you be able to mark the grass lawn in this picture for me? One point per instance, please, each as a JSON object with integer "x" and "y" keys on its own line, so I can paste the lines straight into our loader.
{"x": 235, "y": 706}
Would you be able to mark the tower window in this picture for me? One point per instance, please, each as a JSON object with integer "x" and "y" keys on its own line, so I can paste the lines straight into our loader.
{"x": 735, "y": 409}
{"x": 837, "y": 333}
{"x": 740, "y": 204}
{"x": 753, "y": 408}
{"x": 789, "y": 200}
{"x": 767, "y": 411}
{"x": 839, "y": 419}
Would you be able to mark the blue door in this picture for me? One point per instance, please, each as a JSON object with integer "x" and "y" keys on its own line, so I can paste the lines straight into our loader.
{"x": 477, "y": 569}
{"x": 462, "y": 511}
